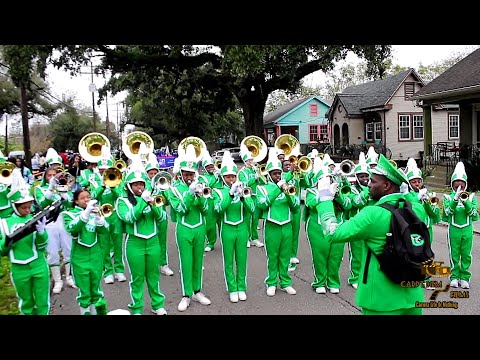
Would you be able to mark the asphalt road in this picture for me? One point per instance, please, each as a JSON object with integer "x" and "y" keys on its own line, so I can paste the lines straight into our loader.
{"x": 305, "y": 302}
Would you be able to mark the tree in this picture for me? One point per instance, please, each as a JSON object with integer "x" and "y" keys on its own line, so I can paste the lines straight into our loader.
{"x": 248, "y": 72}
{"x": 280, "y": 97}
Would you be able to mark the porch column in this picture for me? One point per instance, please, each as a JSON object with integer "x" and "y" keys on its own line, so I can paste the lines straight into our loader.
{"x": 278, "y": 131}
{"x": 466, "y": 119}
{"x": 427, "y": 129}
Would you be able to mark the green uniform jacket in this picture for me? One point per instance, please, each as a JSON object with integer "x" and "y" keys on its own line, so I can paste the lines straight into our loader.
{"x": 25, "y": 250}
{"x": 433, "y": 211}
{"x": 277, "y": 206}
{"x": 190, "y": 209}
{"x": 83, "y": 233}
{"x": 232, "y": 208}
{"x": 5, "y": 205}
{"x": 370, "y": 225}
{"x": 457, "y": 213}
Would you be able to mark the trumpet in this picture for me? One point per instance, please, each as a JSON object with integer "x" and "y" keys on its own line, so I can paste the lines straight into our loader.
{"x": 162, "y": 181}
{"x": 158, "y": 200}
{"x": 65, "y": 181}
{"x": 112, "y": 177}
{"x": 244, "y": 191}
{"x": 394, "y": 164}
{"x": 289, "y": 189}
{"x": 218, "y": 164}
{"x": 433, "y": 200}
{"x": 203, "y": 190}
{"x": 345, "y": 189}
{"x": 347, "y": 167}
{"x": 6, "y": 169}
{"x": 464, "y": 195}
{"x": 106, "y": 210}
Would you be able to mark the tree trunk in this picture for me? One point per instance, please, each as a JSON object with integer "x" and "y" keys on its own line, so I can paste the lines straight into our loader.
{"x": 26, "y": 131}
{"x": 253, "y": 105}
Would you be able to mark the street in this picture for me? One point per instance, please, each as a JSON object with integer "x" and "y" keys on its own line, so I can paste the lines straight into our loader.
{"x": 305, "y": 302}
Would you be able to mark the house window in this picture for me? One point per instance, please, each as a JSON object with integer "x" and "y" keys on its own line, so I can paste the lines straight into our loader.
{"x": 313, "y": 110}
{"x": 453, "y": 126}
{"x": 318, "y": 133}
{"x": 409, "y": 88}
{"x": 373, "y": 131}
{"x": 404, "y": 127}
{"x": 417, "y": 127}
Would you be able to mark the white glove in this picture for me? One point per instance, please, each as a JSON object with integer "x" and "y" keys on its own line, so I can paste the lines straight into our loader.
{"x": 457, "y": 194}
{"x": 281, "y": 183}
{"x": 52, "y": 183}
{"x": 422, "y": 194}
{"x": 99, "y": 219}
{"x": 193, "y": 187}
{"x": 65, "y": 196}
{"x": 147, "y": 195}
{"x": 234, "y": 188}
{"x": 326, "y": 190}
{"x": 404, "y": 188}
{"x": 216, "y": 172}
{"x": 40, "y": 226}
{"x": 92, "y": 204}
{"x": 48, "y": 194}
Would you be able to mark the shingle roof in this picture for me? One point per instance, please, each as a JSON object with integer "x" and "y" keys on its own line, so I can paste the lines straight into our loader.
{"x": 370, "y": 94}
{"x": 281, "y": 110}
{"x": 463, "y": 74}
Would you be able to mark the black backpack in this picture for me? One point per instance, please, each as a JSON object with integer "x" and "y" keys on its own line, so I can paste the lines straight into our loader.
{"x": 408, "y": 251}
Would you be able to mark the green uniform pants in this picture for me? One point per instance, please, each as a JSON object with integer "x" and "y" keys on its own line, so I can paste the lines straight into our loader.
{"x": 32, "y": 283}
{"x": 409, "y": 311}
{"x": 162, "y": 239}
{"x": 87, "y": 269}
{"x": 112, "y": 241}
{"x": 252, "y": 220}
{"x": 234, "y": 247}
{"x": 143, "y": 260}
{"x": 278, "y": 248}
{"x": 296, "y": 218}
{"x": 460, "y": 242}
{"x": 190, "y": 245}
{"x": 355, "y": 260}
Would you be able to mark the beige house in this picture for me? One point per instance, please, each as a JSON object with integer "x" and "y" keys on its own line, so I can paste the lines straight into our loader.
{"x": 383, "y": 114}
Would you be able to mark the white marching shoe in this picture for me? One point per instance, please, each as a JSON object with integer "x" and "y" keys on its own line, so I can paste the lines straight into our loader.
{"x": 208, "y": 248}
{"x": 464, "y": 284}
{"x": 321, "y": 290}
{"x": 294, "y": 260}
{"x": 120, "y": 277}
{"x": 57, "y": 278}
{"x": 165, "y": 270}
{"x": 160, "y": 311}
{"x": 242, "y": 295}
{"x": 184, "y": 303}
{"x": 202, "y": 299}
{"x": 454, "y": 283}
{"x": 69, "y": 277}
{"x": 271, "y": 290}
{"x": 289, "y": 290}
{"x": 109, "y": 279}
{"x": 334, "y": 290}
{"x": 355, "y": 286}
{"x": 234, "y": 297}
{"x": 256, "y": 243}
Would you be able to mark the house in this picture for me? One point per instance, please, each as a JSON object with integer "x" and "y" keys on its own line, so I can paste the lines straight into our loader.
{"x": 383, "y": 114}
{"x": 304, "y": 118}
{"x": 458, "y": 87}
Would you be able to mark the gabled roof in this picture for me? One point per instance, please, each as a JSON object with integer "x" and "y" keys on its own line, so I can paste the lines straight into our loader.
{"x": 373, "y": 93}
{"x": 463, "y": 75}
{"x": 285, "y": 109}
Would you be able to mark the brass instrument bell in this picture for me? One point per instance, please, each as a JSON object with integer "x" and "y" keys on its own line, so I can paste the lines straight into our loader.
{"x": 158, "y": 200}
{"x": 90, "y": 146}
{"x": 257, "y": 147}
{"x": 6, "y": 169}
{"x": 131, "y": 144}
{"x": 347, "y": 167}
{"x": 106, "y": 210}
{"x": 112, "y": 177}
{"x": 65, "y": 181}
{"x": 289, "y": 144}
{"x": 464, "y": 195}
{"x": 120, "y": 165}
{"x": 198, "y": 144}
{"x": 305, "y": 164}
{"x": 161, "y": 181}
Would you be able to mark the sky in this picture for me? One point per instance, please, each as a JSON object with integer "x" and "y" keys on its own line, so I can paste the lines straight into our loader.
{"x": 61, "y": 83}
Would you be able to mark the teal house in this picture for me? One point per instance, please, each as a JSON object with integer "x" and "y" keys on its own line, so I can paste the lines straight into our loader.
{"x": 304, "y": 118}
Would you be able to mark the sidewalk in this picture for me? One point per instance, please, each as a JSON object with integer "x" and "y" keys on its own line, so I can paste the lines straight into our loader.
{"x": 476, "y": 224}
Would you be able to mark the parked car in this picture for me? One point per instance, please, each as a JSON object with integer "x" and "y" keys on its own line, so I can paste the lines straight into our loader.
{"x": 218, "y": 155}
{"x": 235, "y": 152}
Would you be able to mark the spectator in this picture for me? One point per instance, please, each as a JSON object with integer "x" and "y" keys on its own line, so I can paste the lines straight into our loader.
{"x": 36, "y": 162}
{"x": 26, "y": 172}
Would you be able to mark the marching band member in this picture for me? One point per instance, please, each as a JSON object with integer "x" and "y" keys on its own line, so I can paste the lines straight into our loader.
{"x": 190, "y": 208}
{"x": 29, "y": 269}
{"x": 460, "y": 210}
{"x": 372, "y": 157}
{"x": 152, "y": 168}
{"x": 360, "y": 197}
{"x": 6, "y": 208}
{"x": 278, "y": 206}
{"x": 59, "y": 239}
{"x": 85, "y": 223}
{"x": 142, "y": 247}
{"x": 112, "y": 241}
{"x": 250, "y": 178}
{"x": 88, "y": 174}
{"x": 211, "y": 179}
{"x": 232, "y": 204}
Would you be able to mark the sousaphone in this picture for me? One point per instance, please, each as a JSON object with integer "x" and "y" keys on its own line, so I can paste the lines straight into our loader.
{"x": 90, "y": 146}
{"x": 131, "y": 144}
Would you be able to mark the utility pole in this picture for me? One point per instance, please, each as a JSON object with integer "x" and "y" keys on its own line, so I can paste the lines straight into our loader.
{"x": 118, "y": 130}
{"x": 106, "y": 101}
{"x": 26, "y": 131}
{"x": 93, "y": 89}
{"x": 6, "y": 135}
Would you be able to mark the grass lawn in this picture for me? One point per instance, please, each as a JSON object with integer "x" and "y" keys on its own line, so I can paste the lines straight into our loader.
{"x": 8, "y": 297}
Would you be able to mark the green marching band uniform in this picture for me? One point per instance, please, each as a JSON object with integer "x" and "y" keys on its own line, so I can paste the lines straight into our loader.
{"x": 190, "y": 207}
{"x": 232, "y": 205}
{"x": 142, "y": 247}
{"x": 460, "y": 212}
{"x": 29, "y": 270}
{"x": 278, "y": 207}
{"x": 376, "y": 293}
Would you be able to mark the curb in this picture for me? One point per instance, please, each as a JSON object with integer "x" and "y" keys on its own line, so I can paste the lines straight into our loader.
{"x": 444, "y": 224}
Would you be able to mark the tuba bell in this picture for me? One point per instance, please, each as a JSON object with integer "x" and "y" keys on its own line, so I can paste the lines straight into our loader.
{"x": 120, "y": 165}
{"x": 6, "y": 169}
{"x": 131, "y": 144}
{"x": 112, "y": 177}
{"x": 90, "y": 146}
{"x": 161, "y": 181}
{"x": 257, "y": 147}
{"x": 289, "y": 144}
{"x": 198, "y": 144}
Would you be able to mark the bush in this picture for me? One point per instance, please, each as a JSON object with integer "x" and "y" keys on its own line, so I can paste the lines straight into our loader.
{"x": 8, "y": 295}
